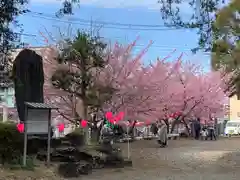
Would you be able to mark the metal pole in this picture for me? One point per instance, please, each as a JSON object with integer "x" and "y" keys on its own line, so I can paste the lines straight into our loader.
{"x": 25, "y": 137}
{"x": 128, "y": 147}
{"x": 49, "y": 138}
{"x": 148, "y": 131}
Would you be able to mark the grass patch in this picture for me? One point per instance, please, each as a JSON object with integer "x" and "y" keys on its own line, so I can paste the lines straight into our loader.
{"x": 17, "y": 164}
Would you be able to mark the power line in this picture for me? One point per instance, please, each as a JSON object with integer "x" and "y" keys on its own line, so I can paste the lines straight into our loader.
{"x": 160, "y": 47}
{"x": 110, "y": 25}
{"x": 101, "y": 22}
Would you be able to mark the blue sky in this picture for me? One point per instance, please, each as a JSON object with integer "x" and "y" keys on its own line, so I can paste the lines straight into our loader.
{"x": 118, "y": 11}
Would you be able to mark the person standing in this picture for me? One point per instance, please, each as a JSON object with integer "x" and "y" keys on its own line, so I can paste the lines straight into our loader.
{"x": 197, "y": 128}
{"x": 154, "y": 128}
{"x": 162, "y": 134}
{"x": 211, "y": 129}
{"x": 106, "y": 133}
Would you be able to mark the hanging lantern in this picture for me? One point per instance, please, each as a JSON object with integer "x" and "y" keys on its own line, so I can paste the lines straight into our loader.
{"x": 84, "y": 123}
{"x": 20, "y": 127}
{"x": 61, "y": 127}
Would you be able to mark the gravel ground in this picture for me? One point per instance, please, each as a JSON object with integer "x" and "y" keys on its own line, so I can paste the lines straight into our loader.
{"x": 181, "y": 160}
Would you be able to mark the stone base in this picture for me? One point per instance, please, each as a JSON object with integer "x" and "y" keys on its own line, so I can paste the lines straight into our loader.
{"x": 80, "y": 161}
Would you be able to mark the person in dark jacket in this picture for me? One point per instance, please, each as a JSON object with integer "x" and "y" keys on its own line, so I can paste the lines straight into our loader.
{"x": 154, "y": 129}
{"x": 197, "y": 128}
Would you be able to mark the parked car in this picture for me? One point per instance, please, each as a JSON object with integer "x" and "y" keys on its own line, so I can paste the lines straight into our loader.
{"x": 232, "y": 128}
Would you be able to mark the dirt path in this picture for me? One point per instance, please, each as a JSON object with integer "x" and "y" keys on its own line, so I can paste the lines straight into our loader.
{"x": 181, "y": 160}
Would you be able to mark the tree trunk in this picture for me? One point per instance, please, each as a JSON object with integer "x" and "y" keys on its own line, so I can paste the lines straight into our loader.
{"x": 95, "y": 131}
{"x": 167, "y": 124}
{"x": 174, "y": 123}
{"x": 131, "y": 129}
{"x": 186, "y": 126}
{"x": 85, "y": 117}
{"x": 95, "y": 134}
{"x": 184, "y": 122}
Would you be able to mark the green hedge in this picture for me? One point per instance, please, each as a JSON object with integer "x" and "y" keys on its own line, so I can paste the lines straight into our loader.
{"x": 11, "y": 143}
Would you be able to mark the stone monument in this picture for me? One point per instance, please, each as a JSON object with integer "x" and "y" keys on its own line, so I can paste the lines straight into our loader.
{"x": 28, "y": 77}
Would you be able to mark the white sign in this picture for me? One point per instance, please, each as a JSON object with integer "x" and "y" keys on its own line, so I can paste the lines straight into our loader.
{"x": 37, "y": 122}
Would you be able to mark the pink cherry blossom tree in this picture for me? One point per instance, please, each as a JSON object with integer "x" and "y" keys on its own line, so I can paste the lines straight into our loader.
{"x": 147, "y": 92}
{"x": 139, "y": 87}
{"x": 150, "y": 92}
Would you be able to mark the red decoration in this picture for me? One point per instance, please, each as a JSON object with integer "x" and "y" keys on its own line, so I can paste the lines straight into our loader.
{"x": 120, "y": 116}
{"x": 84, "y": 123}
{"x": 20, "y": 127}
{"x": 114, "y": 119}
{"x": 176, "y": 114}
{"x": 108, "y": 115}
{"x": 61, "y": 127}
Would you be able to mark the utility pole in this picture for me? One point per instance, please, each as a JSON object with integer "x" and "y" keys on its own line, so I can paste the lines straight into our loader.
{"x": 91, "y": 27}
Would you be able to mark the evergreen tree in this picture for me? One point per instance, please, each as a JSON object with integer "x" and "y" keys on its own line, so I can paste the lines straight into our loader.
{"x": 202, "y": 17}
{"x": 226, "y": 43}
{"x": 218, "y": 29}
{"x": 81, "y": 59}
{"x": 9, "y": 10}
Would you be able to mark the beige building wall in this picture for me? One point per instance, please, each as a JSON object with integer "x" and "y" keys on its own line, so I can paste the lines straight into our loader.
{"x": 234, "y": 105}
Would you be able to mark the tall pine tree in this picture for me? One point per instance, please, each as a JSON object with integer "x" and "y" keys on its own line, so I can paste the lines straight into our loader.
{"x": 80, "y": 61}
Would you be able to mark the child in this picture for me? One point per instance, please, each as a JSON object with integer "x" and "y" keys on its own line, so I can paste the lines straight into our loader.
{"x": 204, "y": 133}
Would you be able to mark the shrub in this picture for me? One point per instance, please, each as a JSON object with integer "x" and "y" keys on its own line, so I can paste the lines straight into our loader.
{"x": 11, "y": 143}
{"x": 76, "y": 138}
